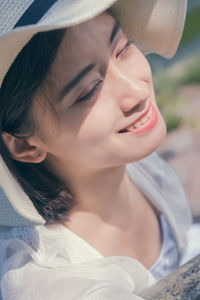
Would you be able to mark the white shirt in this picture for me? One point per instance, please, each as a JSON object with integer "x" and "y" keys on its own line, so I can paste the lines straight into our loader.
{"x": 51, "y": 262}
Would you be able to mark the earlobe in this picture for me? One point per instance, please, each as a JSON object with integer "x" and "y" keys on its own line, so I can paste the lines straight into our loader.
{"x": 20, "y": 149}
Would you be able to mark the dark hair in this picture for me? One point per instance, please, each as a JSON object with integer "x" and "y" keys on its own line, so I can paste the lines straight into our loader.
{"x": 50, "y": 196}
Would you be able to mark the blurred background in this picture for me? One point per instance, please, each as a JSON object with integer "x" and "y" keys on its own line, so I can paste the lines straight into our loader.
{"x": 177, "y": 86}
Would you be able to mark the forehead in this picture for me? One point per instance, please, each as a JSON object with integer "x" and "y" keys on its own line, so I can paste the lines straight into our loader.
{"x": 98, "y": 28}
{"x": 82, "y": 44}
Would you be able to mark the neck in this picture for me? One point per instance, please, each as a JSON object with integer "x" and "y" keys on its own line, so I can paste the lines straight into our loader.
{"x": 105, "y": 194}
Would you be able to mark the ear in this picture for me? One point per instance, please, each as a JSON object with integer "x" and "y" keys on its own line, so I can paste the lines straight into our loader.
{"x": 23, "y": 149}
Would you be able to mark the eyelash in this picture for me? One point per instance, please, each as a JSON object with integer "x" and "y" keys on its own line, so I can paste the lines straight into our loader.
{"x": 128, "y": 44}
{"x": 95, "y": 88}
{"x": 91, "y": 92}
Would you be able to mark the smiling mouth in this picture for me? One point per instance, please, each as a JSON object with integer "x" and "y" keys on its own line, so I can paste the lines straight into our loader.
{"x": 140, "y": 121}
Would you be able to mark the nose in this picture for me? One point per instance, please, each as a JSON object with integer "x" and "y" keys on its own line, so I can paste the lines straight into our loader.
{"x": 127, "y": 88}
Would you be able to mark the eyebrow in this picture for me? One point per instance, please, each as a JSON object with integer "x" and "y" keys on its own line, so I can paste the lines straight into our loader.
{"x": 75, "y": 81}
{"x": 87, "y": 69}
{"x": 116, "y": 28}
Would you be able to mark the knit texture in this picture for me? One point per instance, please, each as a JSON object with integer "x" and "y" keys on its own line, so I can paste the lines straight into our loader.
{"x": 10, "y": 13}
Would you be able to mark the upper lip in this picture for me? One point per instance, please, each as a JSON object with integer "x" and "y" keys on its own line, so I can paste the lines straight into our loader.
{"x": 138, "y": 118}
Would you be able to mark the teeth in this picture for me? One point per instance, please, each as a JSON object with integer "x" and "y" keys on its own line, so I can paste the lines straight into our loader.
{"x": 138, "y": 124}
{"x": 144, "y": 119}
{"x": 149, "y": 113}
{"x": 130, "y": 128}
{"x": 141, "y": 121}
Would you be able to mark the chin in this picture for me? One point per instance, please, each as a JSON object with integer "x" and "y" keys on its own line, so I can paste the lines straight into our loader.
{"x": 153, "y": 140}
{"x": 158, "y": 135}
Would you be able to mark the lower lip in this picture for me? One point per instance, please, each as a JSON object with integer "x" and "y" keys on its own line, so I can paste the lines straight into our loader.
{"x": 148, "y": 124}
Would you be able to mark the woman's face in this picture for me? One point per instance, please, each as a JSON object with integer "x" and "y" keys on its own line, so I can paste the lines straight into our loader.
{"x": 100, "y": 84}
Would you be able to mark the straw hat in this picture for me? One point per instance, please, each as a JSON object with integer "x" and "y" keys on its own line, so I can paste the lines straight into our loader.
{"x": 154, "y": 25}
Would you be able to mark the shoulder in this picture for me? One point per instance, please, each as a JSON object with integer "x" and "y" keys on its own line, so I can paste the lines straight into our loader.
{"x": 32, "y": 282}
{"x": 32, "y": 268}
{"x": 26, "y": 275}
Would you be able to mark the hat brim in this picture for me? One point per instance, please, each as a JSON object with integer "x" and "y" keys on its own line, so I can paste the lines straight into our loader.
{"x": 154, "y": 25}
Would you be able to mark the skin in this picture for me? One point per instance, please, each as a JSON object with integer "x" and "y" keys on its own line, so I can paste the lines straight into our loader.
{"x": 83, "y": 145}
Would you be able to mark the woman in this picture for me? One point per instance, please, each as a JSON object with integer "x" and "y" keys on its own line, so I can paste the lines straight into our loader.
{"x": 93, "y": 218}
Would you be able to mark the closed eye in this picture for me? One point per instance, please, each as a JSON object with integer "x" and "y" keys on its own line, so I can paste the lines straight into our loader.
{"x": 125, "y": 48}
{"x": 90, "y": 93}
{"x": 98, "y": 82}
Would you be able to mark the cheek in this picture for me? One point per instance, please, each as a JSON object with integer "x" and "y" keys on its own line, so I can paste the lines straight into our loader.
{"x": 85, "y": 124}
{"x": 98, "y": 125}
{"x": 136, "y": 65}
{"x": 46, "y": 124}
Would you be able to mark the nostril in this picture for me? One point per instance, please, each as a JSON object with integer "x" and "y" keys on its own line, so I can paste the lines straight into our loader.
{"x": 136, "y": 108}
{"x": 139, "y": 107}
